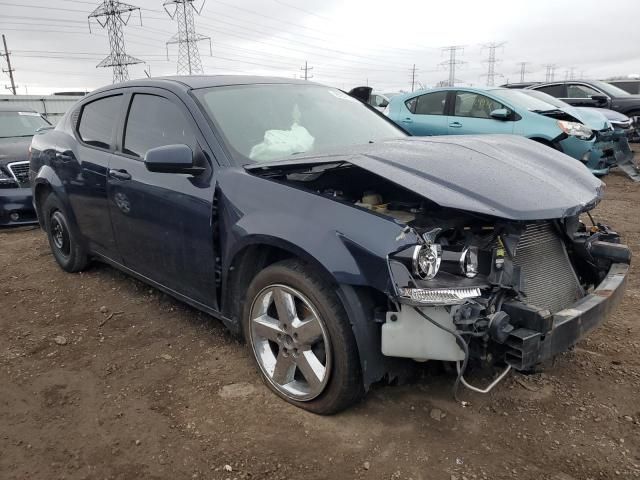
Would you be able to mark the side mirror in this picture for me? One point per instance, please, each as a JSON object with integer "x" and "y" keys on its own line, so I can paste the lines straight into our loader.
{"x": 383, "y": 104}
{"x": 599, "y": 99}
{"x": 500, "y": 114}
{"x": 171, "y": 159}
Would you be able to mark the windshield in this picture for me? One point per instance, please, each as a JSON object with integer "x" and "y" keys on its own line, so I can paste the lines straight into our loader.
{"x": 545, "y": 97}
{"x": 272, "y": 122}
{"x": 609, "y": 89}
{"x": 20, "y": 124}
{"x": 522, "y": 100}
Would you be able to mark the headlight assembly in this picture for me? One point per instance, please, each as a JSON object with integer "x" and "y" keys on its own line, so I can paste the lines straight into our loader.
{"x": 426, "y": 260}
{"x": 575, "y": 129}
{"x": 6, "y": 180}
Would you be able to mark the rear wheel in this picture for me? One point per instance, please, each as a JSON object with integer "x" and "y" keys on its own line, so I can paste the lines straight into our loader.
{"x": 301, "y": 339}
{"x": 64, "y": 245}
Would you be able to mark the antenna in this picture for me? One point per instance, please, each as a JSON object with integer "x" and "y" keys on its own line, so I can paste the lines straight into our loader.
{"x": 189, "y": 62}
{"x": 113, "y": 15}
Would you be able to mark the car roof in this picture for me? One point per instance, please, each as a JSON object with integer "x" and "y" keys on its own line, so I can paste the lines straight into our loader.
{"x": 6, "y": 106}
{"x": 192, "y": 82}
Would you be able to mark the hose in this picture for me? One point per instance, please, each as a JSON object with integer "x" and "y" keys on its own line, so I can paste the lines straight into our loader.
{"x": 460, "y": 342}
{"x": 460, "y": 378}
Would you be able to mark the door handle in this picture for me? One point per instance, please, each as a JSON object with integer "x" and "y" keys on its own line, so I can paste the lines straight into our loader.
{"x": 120, "y": 174}
{"x": 407, "y": 120}
{"x": 455, "y": 125}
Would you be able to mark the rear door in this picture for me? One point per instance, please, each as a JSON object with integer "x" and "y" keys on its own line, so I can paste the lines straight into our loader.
{"x": 83, "y": 166}
{"x": 472, "y": 115}
{"x": 162, "y": 221}
{"x": 425, "y": 114}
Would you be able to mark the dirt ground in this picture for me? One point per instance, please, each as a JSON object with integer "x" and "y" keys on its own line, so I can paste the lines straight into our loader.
{"x": 103, "y": 377}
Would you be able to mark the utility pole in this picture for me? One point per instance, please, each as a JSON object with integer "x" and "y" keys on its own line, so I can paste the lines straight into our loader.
{"x": 113, "y": 15}
{"x": 550, "y": 74}
{"x": 452, "y": 62}
{"x": 491, "y": 62}
{"x": 306, "y": 70}
{"x": 523, "y": 70}
{"x": 413, "y": 77}
{"x": 9, "y": 70}
{"x": 189, "y": 62}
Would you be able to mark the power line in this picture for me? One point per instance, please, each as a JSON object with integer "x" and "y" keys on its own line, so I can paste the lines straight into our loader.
{"x": 9, "y": 70}
{"x": 452, "y": 62}
{"x": 113, "y": 15}
{"x": 306, "y": 70}
{"x": 491, "y": 62}
{"x": 189, "y": 62}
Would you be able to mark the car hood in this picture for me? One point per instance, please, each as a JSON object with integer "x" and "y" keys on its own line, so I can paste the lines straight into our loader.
{"x": 14, "y": 149}
{"x": 504, "y": 176}
{"x": 610, "y": 115}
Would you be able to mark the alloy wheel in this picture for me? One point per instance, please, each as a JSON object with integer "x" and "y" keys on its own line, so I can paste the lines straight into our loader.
{"x": 290, "y": 342}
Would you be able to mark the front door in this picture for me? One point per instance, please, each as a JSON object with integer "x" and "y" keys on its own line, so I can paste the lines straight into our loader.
{"x": 472, "y": 115}
{"x": 162, "y": 221}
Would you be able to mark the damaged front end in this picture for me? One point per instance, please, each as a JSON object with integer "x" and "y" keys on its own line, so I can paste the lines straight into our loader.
{"x": 515, "y": 292}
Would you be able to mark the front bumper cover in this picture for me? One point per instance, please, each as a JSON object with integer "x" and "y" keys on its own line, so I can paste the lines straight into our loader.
{"x": 527, "y": 347}
{"x": 16, "y": 200}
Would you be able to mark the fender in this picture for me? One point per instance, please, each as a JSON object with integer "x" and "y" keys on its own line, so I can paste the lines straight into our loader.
{"x": 47, "y": 178}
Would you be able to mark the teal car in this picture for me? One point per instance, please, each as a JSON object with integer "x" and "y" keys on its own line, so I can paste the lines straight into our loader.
{"x": 585, "y": 135}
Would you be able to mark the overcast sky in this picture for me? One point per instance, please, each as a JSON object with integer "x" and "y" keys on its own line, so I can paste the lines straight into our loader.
{"x": 347, "y": 43}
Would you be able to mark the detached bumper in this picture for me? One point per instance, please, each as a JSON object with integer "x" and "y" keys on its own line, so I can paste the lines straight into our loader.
{"x": 16, "y": 207}
{"x": 530, "y": 347}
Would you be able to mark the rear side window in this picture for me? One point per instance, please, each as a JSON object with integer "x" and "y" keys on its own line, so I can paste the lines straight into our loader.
{"x": 98, "y": 120}
{"x": 155, "y": 122}
{"x": 553, "y": 90}
{"x": 411, "y": 104}
{"x": 431, "y": 103}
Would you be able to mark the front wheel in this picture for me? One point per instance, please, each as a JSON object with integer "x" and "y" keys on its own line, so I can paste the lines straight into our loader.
{"x": 65, "y": 247}
{"x": 301, "y": 339}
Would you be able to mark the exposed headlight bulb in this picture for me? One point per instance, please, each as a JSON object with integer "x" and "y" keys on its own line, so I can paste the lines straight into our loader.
{"x": 469, "y": 262}
{"x": 426, "y": 260}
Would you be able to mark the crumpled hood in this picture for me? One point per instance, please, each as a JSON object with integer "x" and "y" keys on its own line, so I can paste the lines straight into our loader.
{"x": 506, "y": 176}
{"x": 589, "y": 117}
{"x": 14, "y": 149}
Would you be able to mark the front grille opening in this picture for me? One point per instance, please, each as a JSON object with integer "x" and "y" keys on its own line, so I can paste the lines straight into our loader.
{"x": 550, "y": 281}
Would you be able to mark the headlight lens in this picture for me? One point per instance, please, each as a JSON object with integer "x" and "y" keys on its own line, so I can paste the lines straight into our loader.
{"x": 5, "y": 179}
{"x": 575, "y": 129}
{"x": 469, "y": 262}
{"x": 426, "y": 260}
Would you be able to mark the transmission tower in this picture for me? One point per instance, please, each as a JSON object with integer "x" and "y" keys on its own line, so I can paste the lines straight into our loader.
{"x": 189, "y": 62}
{"x": 113, "y": 15}
{"x": 491, "y": 62}
{"x": 550, "y": 74}
{"x": 452, "y": 62}
{"x": 9, "y": 70}
{"x": 413, "y": 77}
{"x": 523, "y": 70}
{"x": 306, "y": 69}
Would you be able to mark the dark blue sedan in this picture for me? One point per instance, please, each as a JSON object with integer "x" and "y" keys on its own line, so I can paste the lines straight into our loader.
{"x": 342, "y": 250}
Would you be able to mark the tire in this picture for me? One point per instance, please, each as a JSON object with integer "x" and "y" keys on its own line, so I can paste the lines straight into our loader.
{"x": 311, "y": 363}
{"x": 65, "y": 247}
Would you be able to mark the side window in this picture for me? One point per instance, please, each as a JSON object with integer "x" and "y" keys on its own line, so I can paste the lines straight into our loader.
{"x": 475, "y": 105}
{"x": 154, "y": 122}
{"x": 411, "y": 104}
{"x": 431, "y": 103}
{"x": 553, "y": 90}
{"x": 98, "y": 119}
{"x": 580, "y": 91}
